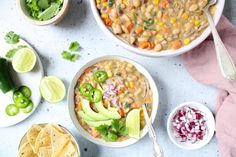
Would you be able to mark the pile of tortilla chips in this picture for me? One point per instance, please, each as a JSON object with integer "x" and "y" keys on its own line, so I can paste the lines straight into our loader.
{"x": 48, "y": 140}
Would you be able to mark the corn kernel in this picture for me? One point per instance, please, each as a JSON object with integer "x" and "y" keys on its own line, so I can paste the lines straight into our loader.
{"x": 155, "y": 2}
{"x": 173, "y": 20}
{"x": 185, "y": 16}
{"x": 197, "y": 23}
{"x": 109, "y": 74}
{"x": 161, "y": 24}
{"x": 155, "y": 20}
{"x": 158, "y": 28}
{"x": 126, "y": 84}
{"x": 186, "y": 41}
{"x": 98, "y": 1}
{"x": 105, "y": 4}
{"x": 131, "y": 84}
{"x": 159, "y": 36}
{"x": 124, "y": 1}
{"x": 104, "y": 16}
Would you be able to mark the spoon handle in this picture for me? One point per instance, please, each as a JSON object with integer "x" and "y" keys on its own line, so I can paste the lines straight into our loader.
{"x": 225, "y": 61}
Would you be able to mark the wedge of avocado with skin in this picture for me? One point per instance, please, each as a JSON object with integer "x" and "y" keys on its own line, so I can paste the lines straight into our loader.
{"x": 98, "y": 123}
{"x": 89, "y": 112}
{"x": 85, "y": 116}
{"x": 112, "y": 114}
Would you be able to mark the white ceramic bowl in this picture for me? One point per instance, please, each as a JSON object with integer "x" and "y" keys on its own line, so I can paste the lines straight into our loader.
{"x": 210, "y": 125}
{"x": 152, "y": 53}
{"x": 56, "y": 19}
{"x": 71, "y": 103}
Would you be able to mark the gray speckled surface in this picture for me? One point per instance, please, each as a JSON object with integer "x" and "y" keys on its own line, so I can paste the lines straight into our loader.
{"x": 174, "y": 83}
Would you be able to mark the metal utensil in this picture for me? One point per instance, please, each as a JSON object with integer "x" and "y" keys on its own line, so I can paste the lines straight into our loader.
{"x": 225, "y": 61}
{"x": 156, "y": 147}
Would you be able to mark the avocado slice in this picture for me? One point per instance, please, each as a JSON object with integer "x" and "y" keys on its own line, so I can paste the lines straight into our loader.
{"x": 112, "y": 114}
{"x": 85, "y": 116}
{"x": 89, "y": 112}
{"x": 98, "y": 123}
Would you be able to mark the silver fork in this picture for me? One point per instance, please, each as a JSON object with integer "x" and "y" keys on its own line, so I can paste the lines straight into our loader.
{"x": 156, "y": 147}
{"x": 225, "y": 61}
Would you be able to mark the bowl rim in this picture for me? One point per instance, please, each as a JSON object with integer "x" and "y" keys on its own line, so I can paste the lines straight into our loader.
{"x": 211, "y": 123}
{"x": 53, "y": 20}
{"x": 151, "y": 53}
{"x": 44, "y": 124}
{"x": 71, "y": 104}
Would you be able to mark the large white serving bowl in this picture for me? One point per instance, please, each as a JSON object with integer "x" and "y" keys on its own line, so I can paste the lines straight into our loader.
{"x": 71, "y": 103}
{"x": 151, "y": 53}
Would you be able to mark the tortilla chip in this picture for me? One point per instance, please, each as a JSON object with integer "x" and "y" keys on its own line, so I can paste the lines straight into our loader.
{"x": 45, "y": 151}
{"x": 32, "y": 134}
{"x": 26, "y": 151}
{"x": 59, "y": 141}
{"x": 68, "y": 151}
{"x": 44, "y": 138}
{"x": 57, "y": 127}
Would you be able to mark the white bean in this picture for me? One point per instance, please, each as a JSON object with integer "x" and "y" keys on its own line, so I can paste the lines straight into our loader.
{"x": 116, "y": 28}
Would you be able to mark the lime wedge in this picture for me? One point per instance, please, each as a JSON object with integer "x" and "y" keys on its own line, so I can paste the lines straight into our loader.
{"x": 133, "y": 123}
{"x": 52, "y": 89}
{"x": 24, "y": 60}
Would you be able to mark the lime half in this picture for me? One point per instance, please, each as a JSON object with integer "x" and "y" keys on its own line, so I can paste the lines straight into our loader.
{"x": 24, "y": 60}
{"x": 133, "y": 123}
{"x": 52, "y": 89}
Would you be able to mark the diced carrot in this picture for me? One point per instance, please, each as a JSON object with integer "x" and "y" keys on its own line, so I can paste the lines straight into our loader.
{"x": 176, "y": 44}
{"x": 108, "y": 22}
{"x": 166, "y": 29}
{"x": 148, "y": 100}
{"x": 164, "y": 3}
{"x": 153, "y": 44}
{"x": 130, "y": 26}
{"x": 144, "y": 44}
{"x": 136, "y": 105}
{"x": 87, "y": 70}
{"x": 80, "y": 106}
{"x": 120, "y": 91}
{"x": 121, "y": 112}
{"x": 139, "y": 30}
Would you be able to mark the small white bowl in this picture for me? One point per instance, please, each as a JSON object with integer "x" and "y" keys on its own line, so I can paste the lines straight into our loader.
{"x": 152, "y": 53}
{"x": 210, "y": 124}
{"x": 71, "y": 103}
{"x": 56, "y": 19}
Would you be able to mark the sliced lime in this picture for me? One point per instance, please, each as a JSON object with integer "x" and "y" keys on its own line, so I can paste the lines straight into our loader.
{"x": 52, "y": 89}
{"x": 24, "y": 60}
{"x": 133, "y": 123}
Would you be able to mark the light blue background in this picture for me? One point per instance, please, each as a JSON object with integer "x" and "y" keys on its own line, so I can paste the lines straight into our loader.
{"x": 174, "y": 83}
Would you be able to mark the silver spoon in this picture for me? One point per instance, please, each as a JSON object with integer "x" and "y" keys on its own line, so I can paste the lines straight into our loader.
{"x": 152, "y": 135}
{"x": 151, "y": 132}
{"x": 225, "y": 61}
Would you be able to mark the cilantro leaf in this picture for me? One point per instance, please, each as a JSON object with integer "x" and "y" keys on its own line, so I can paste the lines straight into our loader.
{"x": 74, "y": 46}
{"x": 70, "y": 56}
{"x": 43, "y": 4}
{"x": 12, "y": 38}
{"x": 12, "y": 52}
{"x": 112, "y": 136}
{"x": 102, "y": 129}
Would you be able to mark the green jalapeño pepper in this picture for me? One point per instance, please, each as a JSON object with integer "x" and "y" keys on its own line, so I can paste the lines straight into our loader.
{"x": 22, "y": 102}
{"x": 17, "y": 94}
{"x": 29, "y": 108}
{"x": 25, "y": 91}
{"x": 100, "y": 76}
{"x": 95, "y": 95}
{"x": 85, "y": 89}
{"x": 12, "y": 110}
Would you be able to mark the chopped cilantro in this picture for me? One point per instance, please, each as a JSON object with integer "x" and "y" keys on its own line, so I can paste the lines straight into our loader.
{"x": 43, "y": 9}
{"x": 70, "y": 56}
{"x": 12, "y": 52}
{"x": 112, "y": 133}
{"x": 12, "y": 38}
{"x": 74, "y": 46}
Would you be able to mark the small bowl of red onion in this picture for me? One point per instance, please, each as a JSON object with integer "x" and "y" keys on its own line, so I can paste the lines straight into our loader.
{"x": 191, "y": 125}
